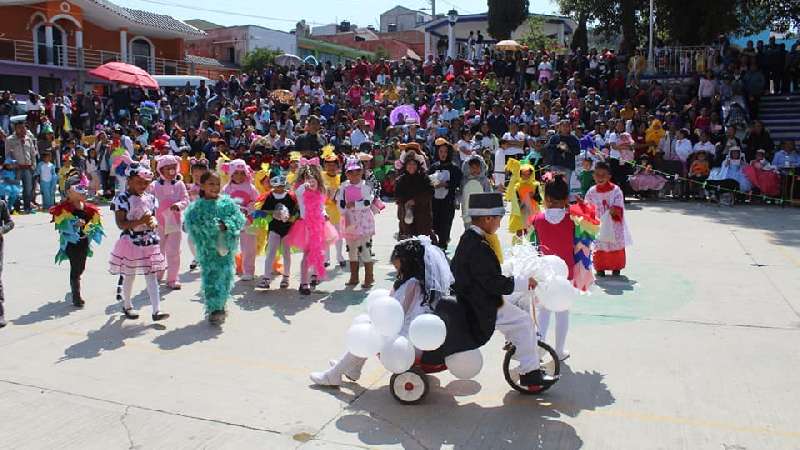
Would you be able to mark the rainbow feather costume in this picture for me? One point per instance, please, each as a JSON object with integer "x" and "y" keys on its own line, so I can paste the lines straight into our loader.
{"x": 66, "y": 223}
{"x": 587, "y": 225}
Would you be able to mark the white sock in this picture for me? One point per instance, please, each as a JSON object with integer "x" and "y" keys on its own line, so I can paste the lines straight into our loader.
{"x": 562, "y": 327}
{"x": 152, "y": 291}
{"x": 127, "y": 288}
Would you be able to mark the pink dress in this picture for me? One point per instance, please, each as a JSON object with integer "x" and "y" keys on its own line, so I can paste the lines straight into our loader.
{"x": 644, "y": 181}
{"x": 137, "y": 251}
{"x": 767, "y": 181}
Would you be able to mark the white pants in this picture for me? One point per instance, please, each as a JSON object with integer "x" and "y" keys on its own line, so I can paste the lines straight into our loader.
{"x": 273, "y": 243}
{"x": 562, "y": 327}
{"x": 125, "y": 288}
{"x": 517, "y": 326}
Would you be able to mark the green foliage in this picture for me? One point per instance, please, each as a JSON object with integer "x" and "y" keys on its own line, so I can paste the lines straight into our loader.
{"x": 534, "y": 37}
{"x": 505, "y": 16}
{"x": 259, "y": 58}
{"x": 381, "y": 53}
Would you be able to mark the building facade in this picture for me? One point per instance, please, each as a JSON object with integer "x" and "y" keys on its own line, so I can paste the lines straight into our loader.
{"x": 401, "y": 18}
{"x": 46, "y": 46}
{"x": 230, "y": 44}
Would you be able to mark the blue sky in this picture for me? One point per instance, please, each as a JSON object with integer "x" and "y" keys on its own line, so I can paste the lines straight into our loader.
{"x": 282, "y": 15}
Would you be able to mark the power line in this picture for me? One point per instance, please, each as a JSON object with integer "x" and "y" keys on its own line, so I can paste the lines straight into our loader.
{"x": 229, "y": 13}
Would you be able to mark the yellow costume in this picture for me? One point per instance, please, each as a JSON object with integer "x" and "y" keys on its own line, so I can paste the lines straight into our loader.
{"x": 523, "y": 195}
{"x": 332, "y": 183}
{"x": 291, "y": 175}
{"x": 259, "y": 178}
{"x": 224, "y": 178}
{"x": 654, "y": 133}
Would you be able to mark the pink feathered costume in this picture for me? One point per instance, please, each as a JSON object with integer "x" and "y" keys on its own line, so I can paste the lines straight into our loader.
{"x": 246, "y": 195}
{"x": 170, "y": 193}
{"x": 312, "y": 232}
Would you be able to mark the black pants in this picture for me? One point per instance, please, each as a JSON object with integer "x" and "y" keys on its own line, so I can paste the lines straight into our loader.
{"x": 443, "y": 213}
{"x": 77, "y": 254}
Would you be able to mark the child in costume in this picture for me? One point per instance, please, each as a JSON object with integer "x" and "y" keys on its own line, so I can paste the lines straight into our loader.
{"x": 280, "y": 206}
{"x": 566, "y": 232}
{"x": 173, "y": 198}
{"x": 6, "y": 225}
{"x": 294, "y": 167}
{"x": 214, "y": 223}
{"x": 63, "y": 174}
{"x": 332, "y": 178}
{"x": 199, "y": 166}
{"x": 479, "y": 288}
{"x": 48, "y": 179}
{"x": 423, "y": 276}
{"x": 475, "y": 180}
{"x": 137, "y": 252}
{"x": 609, "y": 202}
{"x": 523, "y": 194}
{"x": 413, "y": 193}
{"x": 355, "y": 198}
{"x": 10, "y": 188}
{"x": 312, "y": 232}
{"x": 78, "y": 224}
{"x": 586, "y": 177}
{"x": 241, "y": 189}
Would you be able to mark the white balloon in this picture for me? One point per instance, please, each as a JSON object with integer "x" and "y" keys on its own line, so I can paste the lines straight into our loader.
{"x": 375, "y": 294}
{"x": 361, "y": 318}
{"x": 387, "y": 315}
{"x": 398, "y": 355}
{"x": 465, "y": 365}
{"x": 427, "y": 332}
{"x": 556, "y": 294}
{"x": 557, "y": 265}
{"x": 363, "y": 340}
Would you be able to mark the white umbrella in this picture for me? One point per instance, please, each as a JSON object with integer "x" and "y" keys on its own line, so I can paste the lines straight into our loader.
{"x": 287, "y": 59}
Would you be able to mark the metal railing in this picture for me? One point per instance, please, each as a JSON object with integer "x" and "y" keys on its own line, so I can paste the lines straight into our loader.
{"x": 685, "y": 60}
{"x": 82, "y": 58}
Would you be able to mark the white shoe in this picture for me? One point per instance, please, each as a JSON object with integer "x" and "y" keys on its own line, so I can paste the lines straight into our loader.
{"x": 328, "y": 378}
{"x": 564, "y": 355}
{"x": 247, "y": 277}
{"x": 352, "y": 373}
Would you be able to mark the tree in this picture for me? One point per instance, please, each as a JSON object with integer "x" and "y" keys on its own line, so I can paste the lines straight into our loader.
{"x": 505, "y": 16}
{"x": 381, "y": 53}
{"x": 534, "y": 36}
{"x": 259, "y": 58}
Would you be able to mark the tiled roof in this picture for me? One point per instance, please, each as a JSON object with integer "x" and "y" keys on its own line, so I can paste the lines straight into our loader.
{"x": 147, "y": 18}
{"x": 208, "y": 62}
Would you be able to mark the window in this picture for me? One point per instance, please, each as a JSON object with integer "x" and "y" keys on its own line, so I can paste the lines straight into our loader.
{"x": 17, "y": 84}
{"x": 170, "y": 69}
{"x": 232, "y": 54}
{"x": 59, "y": 49}
{"x": 47, "y": 85}
{"x": 140, "y": 54}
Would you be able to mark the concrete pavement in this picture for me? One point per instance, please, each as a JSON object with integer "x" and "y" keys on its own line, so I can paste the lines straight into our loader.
{"x": 695, "y": 348}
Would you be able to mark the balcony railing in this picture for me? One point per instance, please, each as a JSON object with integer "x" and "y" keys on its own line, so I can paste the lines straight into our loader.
{"x": 81, "y": 58}
{"x": 684, "y": 60}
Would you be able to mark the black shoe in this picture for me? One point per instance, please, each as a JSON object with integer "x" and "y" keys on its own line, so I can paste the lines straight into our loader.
{"x": 3, "y": 322}
{"x": 305, "y": 290}
{"x": 160, "y": 316}
{"x": 601, "y": 273}
{"x": 342, "y": 264}
{"x": 77, "y": 301}
{"x": 536, "y": 378}
{"x": 327, "y": 264}
{"x": 130, "y": 313}
{"x": 193, "y": 265}
{"x": 217, "y": 317}
{"x": 314, "y": 282}
{"x": 615, "y": 273}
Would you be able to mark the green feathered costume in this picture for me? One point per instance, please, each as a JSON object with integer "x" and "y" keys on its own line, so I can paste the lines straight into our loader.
{"x": 202, "y": 219}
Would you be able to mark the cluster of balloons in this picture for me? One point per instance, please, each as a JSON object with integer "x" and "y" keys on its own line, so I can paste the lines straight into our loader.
{"x": 553, "y": 290}
{"x": 378, "y": 332}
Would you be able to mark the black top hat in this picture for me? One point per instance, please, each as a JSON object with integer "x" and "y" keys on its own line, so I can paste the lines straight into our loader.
{"x": 486, "y": 204}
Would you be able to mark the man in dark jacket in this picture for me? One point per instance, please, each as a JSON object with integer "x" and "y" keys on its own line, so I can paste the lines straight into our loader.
{"x": 562, "y": 149}
{"x": 479, "y": 288}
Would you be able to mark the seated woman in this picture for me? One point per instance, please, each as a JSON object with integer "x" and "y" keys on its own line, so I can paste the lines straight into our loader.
{"x": 646, "y": 182}
{"x": 729, "y": 177}
{"x": 763, "y": 175}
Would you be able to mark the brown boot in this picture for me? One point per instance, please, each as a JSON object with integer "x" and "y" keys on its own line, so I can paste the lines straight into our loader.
{"x": 369, "y": 275}
{"x": 353, "y": 281}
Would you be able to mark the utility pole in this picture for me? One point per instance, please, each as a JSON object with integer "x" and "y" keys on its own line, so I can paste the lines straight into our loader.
{"x": 433, "y": 8}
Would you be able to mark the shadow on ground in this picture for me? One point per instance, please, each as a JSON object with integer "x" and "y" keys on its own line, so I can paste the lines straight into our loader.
{"x": 521, "y": 422}
{"x": 111, "y": 336}
{"x": 48, "y": 311}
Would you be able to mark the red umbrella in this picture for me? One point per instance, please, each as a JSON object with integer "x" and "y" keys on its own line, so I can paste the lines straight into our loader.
{"x": 125, "y": 74}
